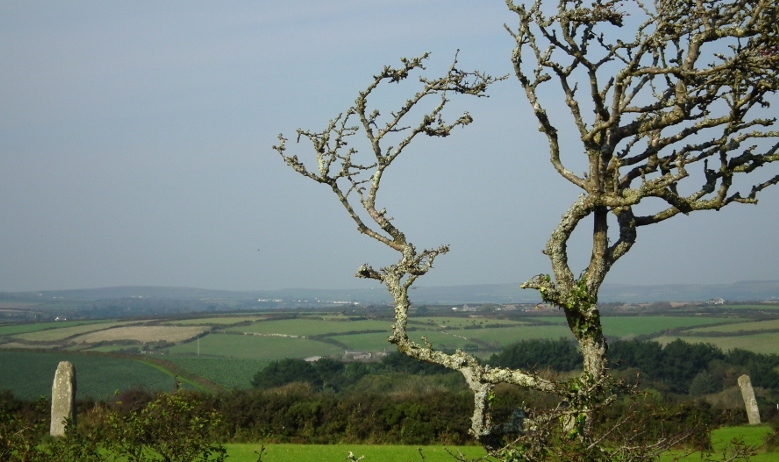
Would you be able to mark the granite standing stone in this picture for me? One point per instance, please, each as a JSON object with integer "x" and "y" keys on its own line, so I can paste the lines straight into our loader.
{"x": 753, "y": 413}
{"x": 63, "y": 398}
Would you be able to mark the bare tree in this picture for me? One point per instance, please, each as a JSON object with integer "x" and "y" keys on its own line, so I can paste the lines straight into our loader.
{"x": 671, "y": 117}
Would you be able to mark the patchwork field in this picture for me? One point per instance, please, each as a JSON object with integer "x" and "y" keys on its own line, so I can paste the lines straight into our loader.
{"x": 229, "y": 350}
{"x": 63, "y": 333}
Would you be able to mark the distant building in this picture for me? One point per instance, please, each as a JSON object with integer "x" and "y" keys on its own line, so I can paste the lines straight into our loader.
{"x": 357, "y": 355}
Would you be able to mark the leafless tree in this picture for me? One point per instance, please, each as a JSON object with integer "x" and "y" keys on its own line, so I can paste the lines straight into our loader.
{"x": 671, "y": 115}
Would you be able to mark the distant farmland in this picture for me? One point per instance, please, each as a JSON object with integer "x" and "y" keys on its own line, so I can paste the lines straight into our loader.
{"x": 228, "y": 350}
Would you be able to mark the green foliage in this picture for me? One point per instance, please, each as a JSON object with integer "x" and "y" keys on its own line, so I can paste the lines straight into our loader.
{"x": 761, "y": 367}
{"x": 282, "y": 372}
{"x": 679, "y": 367}
{"x": 20, "y": 431}
{"x": 694, "y": 368}
{"x": 328, "y": 373}
{"x": 398, "y": 362}
{"x": 559, "y": 355}
{"x": 175, "y": 426}
{"x": 705, "y": 383}
{"x": 75, "y": 447}
{"x": 296, "y": 413}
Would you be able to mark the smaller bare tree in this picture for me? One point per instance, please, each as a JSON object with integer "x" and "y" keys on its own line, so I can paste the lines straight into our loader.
{"x": 356, "y": 181}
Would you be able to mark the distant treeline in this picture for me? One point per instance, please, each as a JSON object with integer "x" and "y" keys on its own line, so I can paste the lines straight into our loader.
{"x": 334, "y": 375}
{"x": 679, "y": 367}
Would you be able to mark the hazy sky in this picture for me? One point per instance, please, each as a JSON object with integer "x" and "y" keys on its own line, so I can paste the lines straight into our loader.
{"x": 135, "y": 149}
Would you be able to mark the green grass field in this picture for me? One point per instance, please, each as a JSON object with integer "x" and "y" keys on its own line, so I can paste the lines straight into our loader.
{"x": 365, "y": 342}
{"x": 741, "y": 327}
{"x": 763, "y": 307}
{"x": 765, "y": 343}
{"x": 311, "y": 326}
{"x": 30, "y": 373}
{"x": 624, "y": 326}
{"x": 455, "y": 338}
{"x": 235, "y": 373}
{"x": 338, "y": 453}
{"x": 753, "y": 436}
{"x": 13, "y": 329}
{"x": 254, "y": 347}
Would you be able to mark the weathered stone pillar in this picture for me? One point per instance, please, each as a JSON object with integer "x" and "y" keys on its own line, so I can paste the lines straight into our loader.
{"x": 753, "y": 413}
{"x": 63, "y": 398}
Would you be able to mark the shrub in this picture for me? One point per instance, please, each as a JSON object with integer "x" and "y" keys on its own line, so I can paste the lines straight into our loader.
{"x": 175, "y": 426}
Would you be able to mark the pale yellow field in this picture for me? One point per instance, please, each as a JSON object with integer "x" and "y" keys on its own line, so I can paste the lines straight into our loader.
{"x": 54, "y": 335}
{"x": 172, "y": 334}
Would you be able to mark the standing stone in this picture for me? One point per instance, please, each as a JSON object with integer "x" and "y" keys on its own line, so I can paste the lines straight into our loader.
{"x": 753, "y": 413}
{"x": 63, "y": 398}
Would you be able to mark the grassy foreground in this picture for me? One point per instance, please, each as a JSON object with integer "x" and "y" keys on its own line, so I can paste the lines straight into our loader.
{"x": 338, "y": 452}
{"x": 753, "y": 436}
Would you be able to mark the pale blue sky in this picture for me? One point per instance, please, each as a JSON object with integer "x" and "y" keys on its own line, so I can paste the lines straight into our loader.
{"x": 135, "y": 149}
